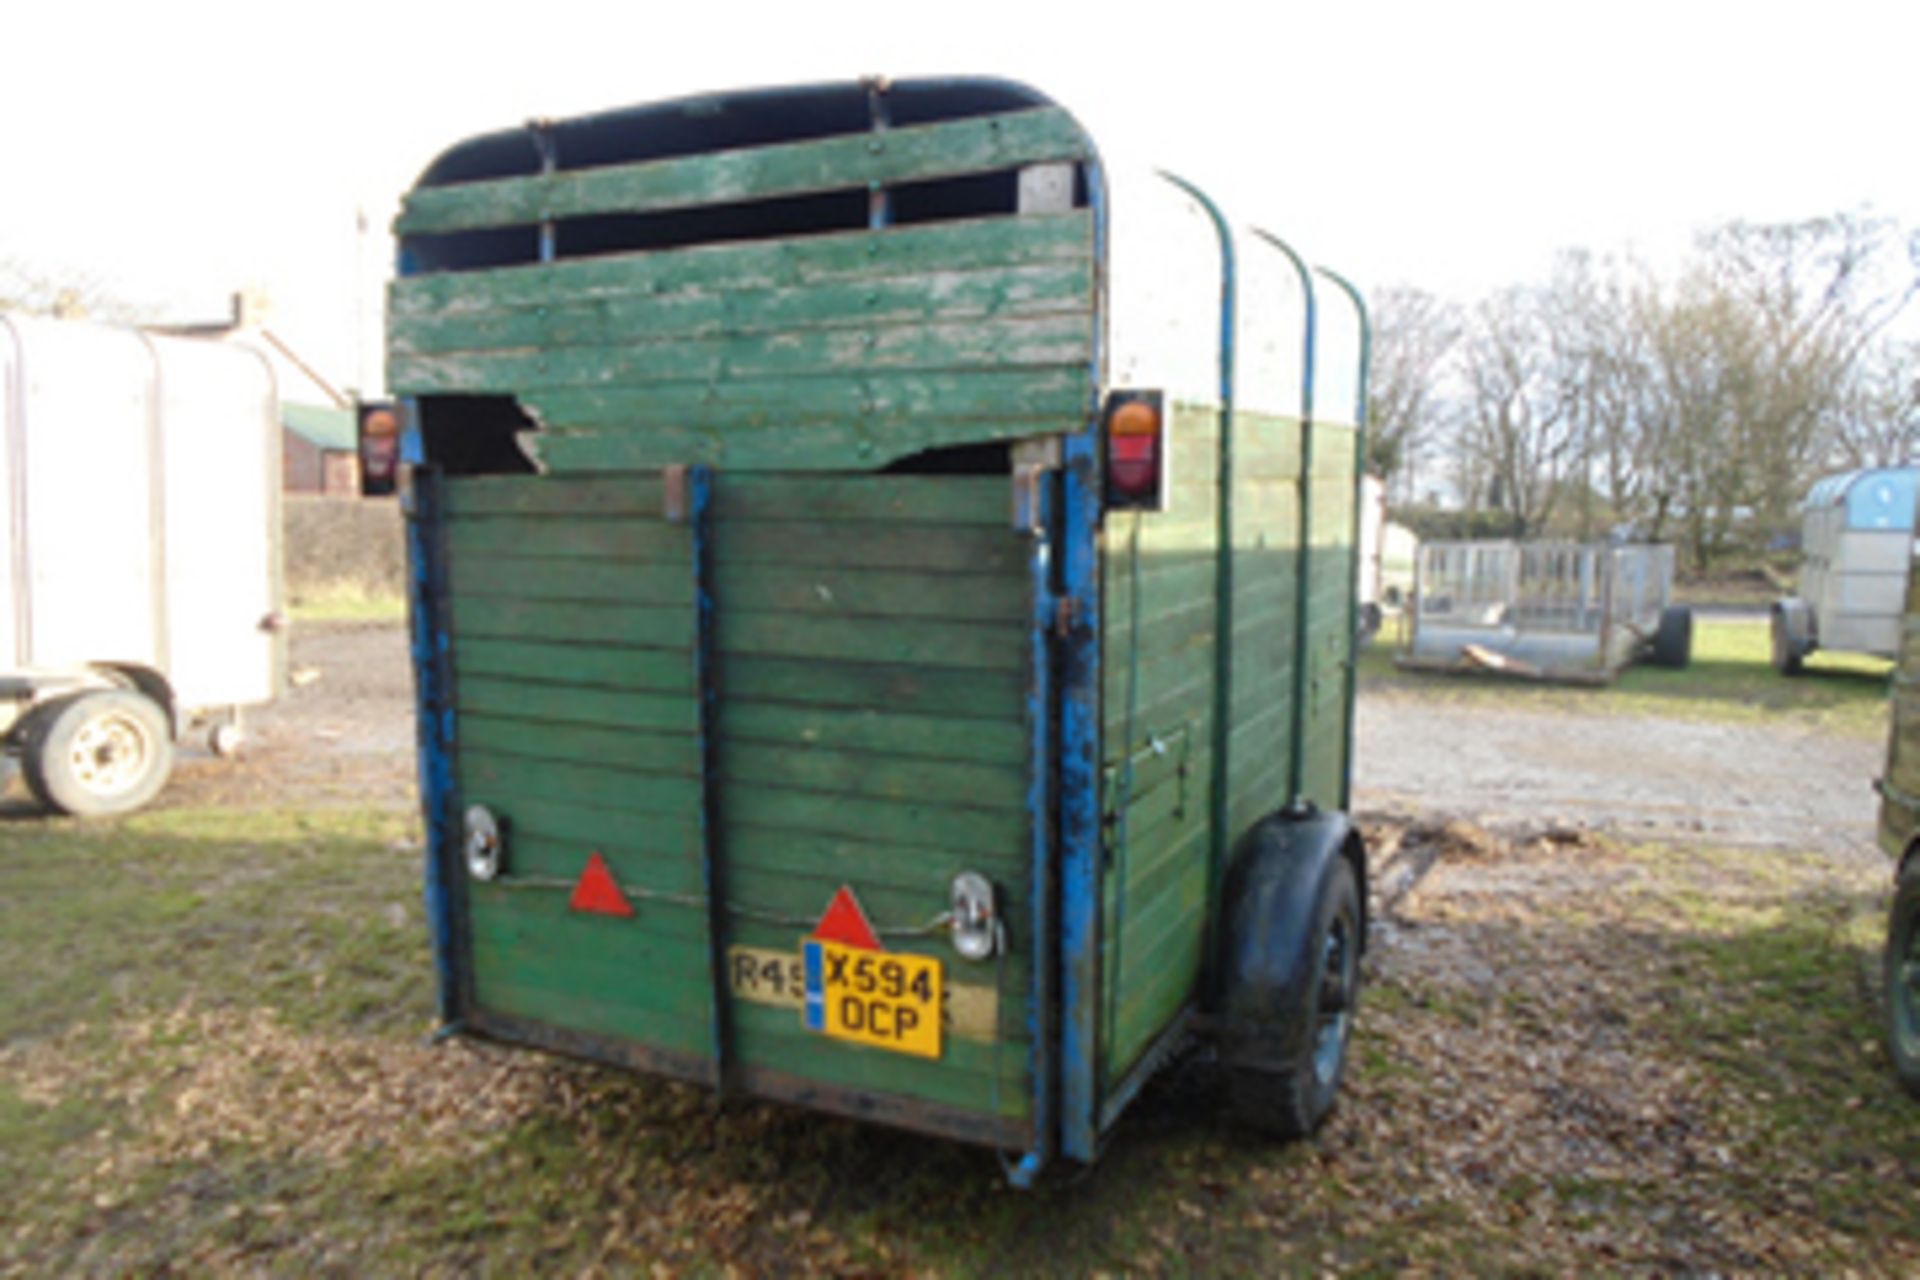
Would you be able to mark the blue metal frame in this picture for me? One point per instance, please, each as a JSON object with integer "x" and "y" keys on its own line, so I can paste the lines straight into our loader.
{"x": 1076, "y": 623}
{"x": 699, "y": 516}
{"x": 1040, "y": 721}
{"x": 433, "y": 715}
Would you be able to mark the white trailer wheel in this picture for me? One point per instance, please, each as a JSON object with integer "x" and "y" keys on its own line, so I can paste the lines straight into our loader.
{"x": 98, "y": 753}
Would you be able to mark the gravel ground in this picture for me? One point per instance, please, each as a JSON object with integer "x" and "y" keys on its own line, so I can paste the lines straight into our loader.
{"x": 345, "y": 735}
{"x": 1638, "y": 778}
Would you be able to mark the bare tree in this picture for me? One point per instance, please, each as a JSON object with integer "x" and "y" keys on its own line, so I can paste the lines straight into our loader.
{"x": 1877, "y": 420}
{"x": 1414, "y": 336}
{"x": 1517, "y": 421}
{"x": 70, "y": 296}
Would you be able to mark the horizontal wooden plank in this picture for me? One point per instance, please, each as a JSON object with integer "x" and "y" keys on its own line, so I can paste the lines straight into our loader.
{"x": 744, "y": 764}
{"x": 569, "y": 666}
{"x": 1056, "y": 339}
{"x": 993, "y": 702}
{"x": 967, "y": 646}
{"x": 908, "y": 154}
{"x": 631, "y": 496}
{"x": 879, "y": 595}
{"x": 633, "y": 841}
{"x": 649, "y": 540}
{"x": 526, "y": 578}
{"x": 938, "y": 295}
{"x": 893, "y": 499}
{"x": 674, "y": 753}
{"x": 882, "y": 729}
{"x": 881, "y": 400}
{"x": 855, "y": 446}
{"x": 570, "y": 782}
{"x": 962, "y": 1077}
{"x": 532, "y": 854}
{"x": 906, "y": 867}
{"x": 932, "y": 548}
{"x": 960, "y": 245}
{"x": 498, "y": 990}
{"x": 592, "y": 622}
{"x": 575, "y": 704}
{"x": 920, "y": 823}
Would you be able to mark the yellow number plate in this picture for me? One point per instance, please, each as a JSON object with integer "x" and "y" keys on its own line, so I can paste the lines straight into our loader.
{"x": 883, "y": 998}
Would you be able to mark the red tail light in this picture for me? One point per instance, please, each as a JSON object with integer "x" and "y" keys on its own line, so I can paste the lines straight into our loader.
{"x": 1135, "y": 451}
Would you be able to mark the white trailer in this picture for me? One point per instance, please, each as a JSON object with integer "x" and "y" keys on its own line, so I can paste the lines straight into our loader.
{"x": 141, "y": 574}
{"x": 1387, "y": 552}
{"x": 1856, "y": 531}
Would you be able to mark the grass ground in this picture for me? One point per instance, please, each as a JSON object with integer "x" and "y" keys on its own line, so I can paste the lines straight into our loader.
{"x": 213, "y": 1059}
{"x": 347, "y": 602}
{"x": 1730, "y": 678}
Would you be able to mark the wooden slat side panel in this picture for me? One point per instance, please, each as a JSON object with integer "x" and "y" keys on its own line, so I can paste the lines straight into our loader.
{"x": 934, "y": 296}
{"x": 1016, "y": 341}
{"x": 875, "y": 400}
{"x": 910, "y": 154}
{"x": 1151, "y": 943}
{"x": 755, "y": 264}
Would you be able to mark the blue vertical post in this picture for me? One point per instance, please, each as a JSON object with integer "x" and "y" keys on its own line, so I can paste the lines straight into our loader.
{"x": 699, "y": 517}
{"x": 1075, "y": 623}
{"x": 433, "y": 708}
{"x": 1040, "y": 728}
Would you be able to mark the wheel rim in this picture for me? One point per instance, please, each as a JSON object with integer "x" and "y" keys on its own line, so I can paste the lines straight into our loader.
{"x": 1903, "y": 992}
{"x": 110, "y": 754}
{"x": 1334, "y": 1003}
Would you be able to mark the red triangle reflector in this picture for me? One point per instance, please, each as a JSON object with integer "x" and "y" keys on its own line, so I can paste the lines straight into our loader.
{"x": 846, "y": 923}
{"x": 598, "y": 892}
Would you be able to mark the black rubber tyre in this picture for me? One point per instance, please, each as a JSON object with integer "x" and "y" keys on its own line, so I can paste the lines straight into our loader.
{"x": 1786, "y": 656}
{"x": 1292, "y": 1099}
{"x": 1673, "y": 641}
{"x": 1901, "y": 970}
{"x": 98, "y": 753}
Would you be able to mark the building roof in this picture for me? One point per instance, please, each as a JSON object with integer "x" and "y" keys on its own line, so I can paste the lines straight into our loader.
{"x": 321, "y": 425}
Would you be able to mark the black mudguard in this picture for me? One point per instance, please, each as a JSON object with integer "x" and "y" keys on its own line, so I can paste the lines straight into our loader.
{"x": 1267, "y": 913}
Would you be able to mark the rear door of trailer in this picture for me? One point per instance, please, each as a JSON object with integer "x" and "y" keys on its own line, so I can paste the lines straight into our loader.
{"x": 764, "y": 627}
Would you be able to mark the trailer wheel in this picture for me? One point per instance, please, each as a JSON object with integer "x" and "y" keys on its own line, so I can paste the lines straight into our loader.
{"x": 1902, "y": 973}
{"x": 1787, "y": 653}
{"x": 104, "y": 752}
{"x": 1290, "y": 1098}
{"x": 1673, "y": 641}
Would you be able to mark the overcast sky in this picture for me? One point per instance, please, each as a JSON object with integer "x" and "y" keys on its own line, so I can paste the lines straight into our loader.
{"x": 175, "y": 152}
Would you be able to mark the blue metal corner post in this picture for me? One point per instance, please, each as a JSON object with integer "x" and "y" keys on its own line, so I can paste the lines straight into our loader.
{"x": 1076, "y": 626}
{"x": 434, "y": 714}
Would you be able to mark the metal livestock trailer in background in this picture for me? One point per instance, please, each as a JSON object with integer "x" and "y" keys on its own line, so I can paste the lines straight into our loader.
{"x": 140, "y": 494}
{"x": 883, "y": 610}
{"x": 1553, "y": 610}
{"x": 1854, "y": 533}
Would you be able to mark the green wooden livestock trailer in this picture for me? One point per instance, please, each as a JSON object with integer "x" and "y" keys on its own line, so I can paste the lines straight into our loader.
{"x": 883, "y": 610}
{"x": 1899, "y": 831}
